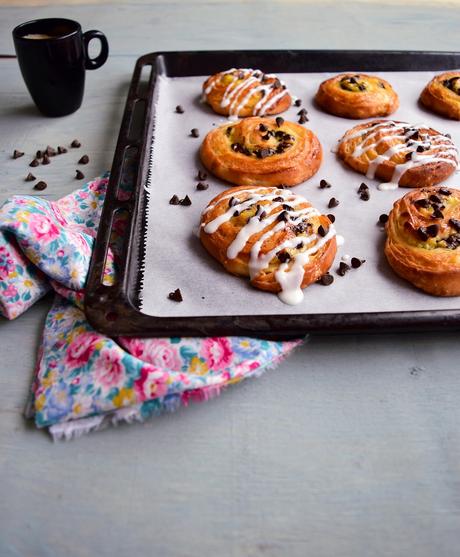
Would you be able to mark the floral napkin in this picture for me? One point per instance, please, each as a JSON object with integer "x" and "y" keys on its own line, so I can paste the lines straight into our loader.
{"x": 85, "y": 380}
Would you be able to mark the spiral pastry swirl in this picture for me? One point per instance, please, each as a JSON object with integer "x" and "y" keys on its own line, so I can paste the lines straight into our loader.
{"x": 246, "y": 92}
{"x": 262, "y": 151}
{"x": 423, "y": 239}
{"x": 442, "y": 95}
{"x": 272, "y": 236}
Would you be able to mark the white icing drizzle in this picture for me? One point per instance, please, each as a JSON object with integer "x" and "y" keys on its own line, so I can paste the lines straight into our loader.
{"x": 436, "y": 148}
{"x": 237, "y": 95}
{"x": 290, "y": 273}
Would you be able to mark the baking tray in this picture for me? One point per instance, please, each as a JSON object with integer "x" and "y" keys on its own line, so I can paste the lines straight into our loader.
{"x": 114, "y": 309}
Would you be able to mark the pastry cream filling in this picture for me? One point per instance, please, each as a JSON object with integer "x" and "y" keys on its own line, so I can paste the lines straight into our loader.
{"x": 270, "y": 142}
{"x": 353, "y": 83}
{"x": 453, "y": 84}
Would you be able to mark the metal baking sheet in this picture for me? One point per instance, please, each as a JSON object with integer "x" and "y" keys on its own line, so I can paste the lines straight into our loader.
{"x": 162, "y": 251}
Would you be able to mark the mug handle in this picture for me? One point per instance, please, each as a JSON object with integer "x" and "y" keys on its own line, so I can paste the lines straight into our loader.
{"x": 94, "y": 63}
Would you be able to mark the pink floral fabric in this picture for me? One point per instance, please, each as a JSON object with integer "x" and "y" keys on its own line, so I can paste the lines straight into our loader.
{"x": 85, "y": 379}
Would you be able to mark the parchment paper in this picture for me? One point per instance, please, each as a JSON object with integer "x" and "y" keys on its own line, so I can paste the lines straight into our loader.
{"x": 175, "y": 258}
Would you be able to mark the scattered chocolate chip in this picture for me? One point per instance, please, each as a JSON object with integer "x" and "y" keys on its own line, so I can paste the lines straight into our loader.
{"x": 195, "y": 132}
{"x": 263, "y": 128}
{"x": 323, "y": 184}
{"x": 75, "y": 144}
{"x": 435, "y": 199}
{"x": 174, "y": 200}
{"x": 297, "y": 102}
{"x": 278, "y": 199}
{"x": 39, "y": 154}
{"x": 35, "y": 162}
{"x": 302, "y": 111}
{"x": 179, "y": 109}
{"x": 322, "y": 231}
{"x": 236, "y": 214}
{"x": 343, "y": 268}
{"x": 363, "y": 187}
{"x": 79, "y": 175}
{"x": 455, "y": 223}
{"x": 437, "y": 214}
{"x": 408, "y": 156}
{"x": 422, "y": 203}
{"x": 299, "y": 245}
{"x": 50, "y": 151}
{"x": 331, "y": 217}
{"x": 365, "y": 195}
{"x": 201, "y": 175}
{"x": 30, "y": 177}
{"x": 201, "y": 186}
{"x": 421, "y": 148}
{"x": 175, "y": 296}
{"x": 279, "y": 121}
{"x": 432, "y": 230}
{"x": 383, "y": 218}
{"x": 45, "y": 159}
{"x": 40, "y": 186}
{"x": 284, "y": 257}
{"x": 84, "y": 160}
{"x": 422, "y": 233}
{"x": 262, "y": 215}
{"x": 333, "y": 202}
{"x": 186, "y": 201}
{"x": 283, "y": 216}
{"x": 233, "y": 201}
{"x": 61, "y": 150}
{"x": 356, "y": 263}
{"x": 303, "y": 119}
{"x": 326, "y": 279}
{"x": 445, "y": 191}
{"x": 17, "y": 154}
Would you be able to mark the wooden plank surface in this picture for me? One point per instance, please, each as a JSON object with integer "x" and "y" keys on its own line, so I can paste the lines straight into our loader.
{"x": 350, "y": 449}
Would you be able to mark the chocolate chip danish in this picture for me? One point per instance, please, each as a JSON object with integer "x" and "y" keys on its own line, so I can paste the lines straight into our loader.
{"x": 272, "y": 236}
{"x": 262, "y": 151}
{"x": 442, "y": 95}
{"x": 246, "y": 92}
{"x": 357, "y": 96}
{"x": 398, "y": 153}
{"x": 423, "y": 239}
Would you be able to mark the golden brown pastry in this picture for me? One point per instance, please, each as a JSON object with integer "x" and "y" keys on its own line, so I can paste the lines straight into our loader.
{"x": 423, "y": 239}
{"x": 262, "y": 152}
{"x": 357, "y": 96}
{"x": 246, "y": 92}
{"x": 442, "y": 95}
{"x": 399, "y": 153}
{"x": 272, "y": 236}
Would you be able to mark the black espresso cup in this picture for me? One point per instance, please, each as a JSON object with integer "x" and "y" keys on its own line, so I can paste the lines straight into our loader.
{"x": 53, "y": 56}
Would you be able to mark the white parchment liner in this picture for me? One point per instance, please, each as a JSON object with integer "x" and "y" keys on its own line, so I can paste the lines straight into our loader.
{"x": 174, "y": 257}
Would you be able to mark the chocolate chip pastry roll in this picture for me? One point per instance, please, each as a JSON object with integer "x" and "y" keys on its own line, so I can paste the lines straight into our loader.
{"x": 399, "y": 153}
{"x": 246, "y": 92}
{"x": 423, "y": 239}
{"x": 272, "y": 236}
{"x": 357, "y": 96}
{"x": 262, "y": 151}
{"x": 442, "y": 95}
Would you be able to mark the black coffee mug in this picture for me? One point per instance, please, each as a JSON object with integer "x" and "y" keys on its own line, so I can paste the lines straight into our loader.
{"x": 53, "y": 56}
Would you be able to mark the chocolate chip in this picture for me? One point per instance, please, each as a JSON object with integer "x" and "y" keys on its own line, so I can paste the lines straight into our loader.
{"x": 50, "y": 151}
{"x": 422, "y": 203}
{"x": 40, "y": 186}
{"x": 276, "y": 84}
{"x": 408, "y": 156}
{"x": 448, "y": 135}
{"x": 299, "y": 245}
{"x": 286, "y": 206}
{"x": 236, "y": 214}
{"x": 301, "y": 112}
{"x": 324, "y": 184}
{"x": 201, "y": 175}
{"x": 421, "y": 149}
{"x": 302, "y": 227}
{"x": 228, "y": 131}
{"x": 45, "y": 159}
{"x": 435, "y": 199}
{"x": 201, "y": 186}
{"x": 445, "y": 191}
{"x": 195, "y": 132}
{"x": 30, "y": 177}
{"x": 79, "y": 175}
{"x": 174, "y": 200}
{"x": 236, "y": 147}
{"x": 175, "y": 296}
{"x": 432, "y": 230}
{"x": 263, "y": 128}
{"x": 61, "y": 150}
{"x": 233, "y": 201}
{"x": 383, "y": 218}
{"x": 17, "y": 154}
{"x": 437, "y": 214}
{"x": 39, "y": 154}
{"x": 279, "y": 121}
{"x": 331, "y": 217}
{"x": 266, "y": 137}
{"x": 363, "y": 187}
{"x": 356, "y": 263}
{"x": 283, "y": 216}
{"x": 303, "y": 119}
{"x": 343, "y": 268}
{"x": 453, "y": 241}
{"x": 382, "y": 85}
{"x": 455, "y": 223}
{"x": 365, "y": 195}
{"x": 35, "y": 162}
{"x": 297, "y": 102}
{"x": 179, "y": 109}
{"x": 84, "y": 160}
{"x": 262, "y": 215}
{"x": 422, "y": 233}
{"x": 278, "y": 199}
{"x": 333, "y": 202}
{"x": 264, "y": 153}
{"x": 326, "y": 280}
{"x": 284, "y": 257}
{"x": 186, "y": 201}
{"x": 75, "y": 144}
{"x": 322, "y": 231}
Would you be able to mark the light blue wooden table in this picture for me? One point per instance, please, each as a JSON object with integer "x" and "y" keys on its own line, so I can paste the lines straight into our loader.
{"x": 351, "y": 448}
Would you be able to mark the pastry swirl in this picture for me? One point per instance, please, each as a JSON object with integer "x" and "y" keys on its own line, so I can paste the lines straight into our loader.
{"x": 423, "y": 239}
{"x": 399, "y": 153}
{"x": 442, "y": 95}
{"x": 272, "y": 236}
{"x": 246, "y": 92}
{"x": 262, "y": 151}
{"x": 357, "y": 96}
